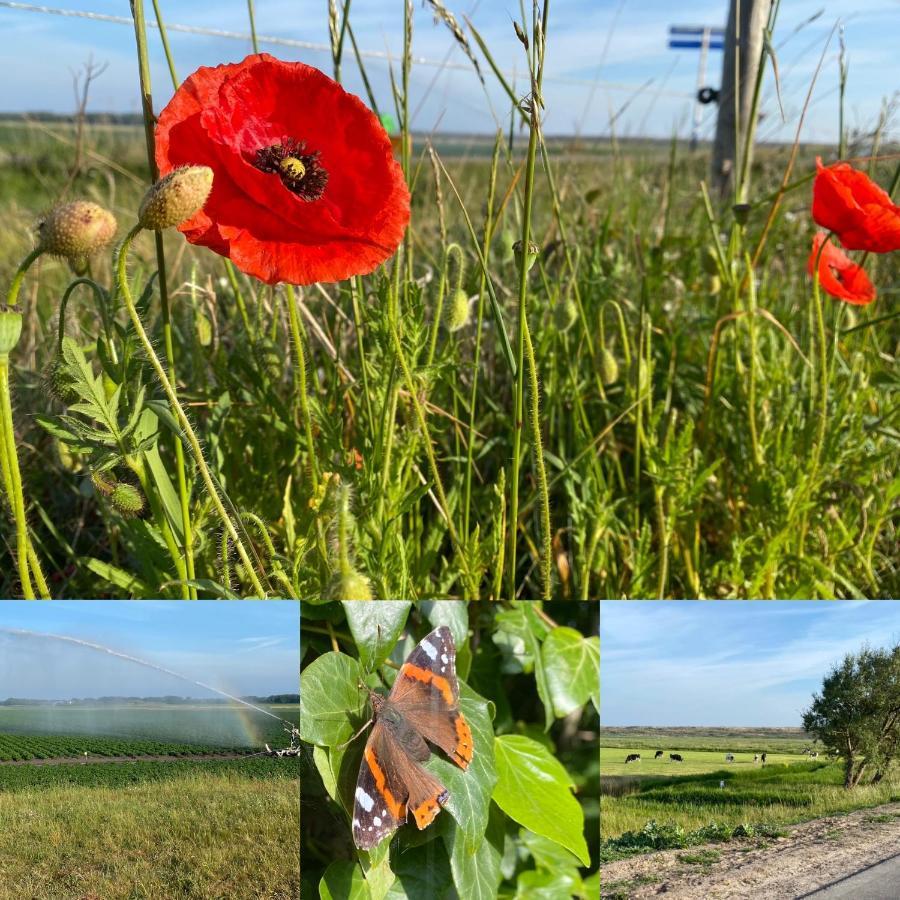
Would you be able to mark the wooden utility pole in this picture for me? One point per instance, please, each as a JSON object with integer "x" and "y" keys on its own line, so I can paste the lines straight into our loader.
{"x": 747, "y": 20}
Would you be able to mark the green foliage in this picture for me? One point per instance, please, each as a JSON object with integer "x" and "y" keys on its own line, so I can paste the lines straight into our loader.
{"x": 512, "y": 822}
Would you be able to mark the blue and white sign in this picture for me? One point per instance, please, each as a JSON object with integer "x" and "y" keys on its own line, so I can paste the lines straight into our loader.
{"x": 696, "y": 37}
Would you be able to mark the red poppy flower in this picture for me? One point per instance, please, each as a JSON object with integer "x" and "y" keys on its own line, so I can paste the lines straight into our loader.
{"x": 847, "y": 202}
{"x": 305, "y": 185}
{"x": 839, "y": 275}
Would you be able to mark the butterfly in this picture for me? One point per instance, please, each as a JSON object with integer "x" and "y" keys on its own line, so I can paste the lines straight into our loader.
{"x": 423, "y": 705}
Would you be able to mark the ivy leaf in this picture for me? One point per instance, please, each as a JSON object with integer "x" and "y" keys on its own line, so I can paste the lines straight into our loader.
{"x": 533, "y": 788}
{"x": 379, "y": 876}
{"x": 375, "y": 628}
{"x": 476, "y": 870}
{"x": 540, "y": 885}
{"x": 572, "y": 664}
{"x": 547, "y": 854}
{"x": 343, "y": 880}
{"x": 331, "y": 703}
{"x": 423, "y": 873}
{"x": 523, "y": 624}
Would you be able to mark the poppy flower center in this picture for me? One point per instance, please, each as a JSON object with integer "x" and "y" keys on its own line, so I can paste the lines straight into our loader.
{"x": 301, "y": 173}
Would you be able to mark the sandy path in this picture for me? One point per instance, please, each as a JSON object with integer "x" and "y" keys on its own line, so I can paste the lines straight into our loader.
{"x": 812, "y": 855}
{"x": 84, "y": 760}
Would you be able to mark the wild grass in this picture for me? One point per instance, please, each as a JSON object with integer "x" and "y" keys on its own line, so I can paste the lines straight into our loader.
{"x": 198, "y": 836}
{"x": 643, "y": 414}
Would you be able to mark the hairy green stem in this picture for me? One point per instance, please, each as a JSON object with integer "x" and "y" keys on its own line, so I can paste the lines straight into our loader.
{"x": 179, "y": 413}
{"x": 298, "y": 339}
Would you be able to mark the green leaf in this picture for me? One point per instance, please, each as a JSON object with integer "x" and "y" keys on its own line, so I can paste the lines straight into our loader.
{"x": 322, "y": 760}
{"x": 522, "y": 624}
{"x": 375, "y": 627}
{"x": 343, "y": 880}
{"x": 379, "y": 876}
{"x": 547, "y": 854}
{"x": 572, "y": 664}
{"x": 533, "y": 788}
{"x": 124, "y": 581}
{"x": 331, "y": 702}
{"x": 534, "y": 885}
{"x": 423, "y": 873}
{"x": 476, "y": 868}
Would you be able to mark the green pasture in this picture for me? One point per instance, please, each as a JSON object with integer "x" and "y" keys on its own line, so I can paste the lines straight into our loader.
{"x": 696, "y": 762}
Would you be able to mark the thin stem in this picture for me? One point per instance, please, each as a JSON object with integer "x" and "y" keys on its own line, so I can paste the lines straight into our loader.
{"x": 179, "y": 413}
{"x": 13, "y": 292}
{"x": 252, "y": 26}
{"x": 14, "y": 481}
{"x": 297, "y": 339}
{"x": 165, "y": 42}
{"x": 140, "y": 29}
{"x": 751, "y": 387}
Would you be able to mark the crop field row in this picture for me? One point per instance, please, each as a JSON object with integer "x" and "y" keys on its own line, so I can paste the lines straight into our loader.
{"x": 120, "y": 775}
{"x": 33, "y": 746}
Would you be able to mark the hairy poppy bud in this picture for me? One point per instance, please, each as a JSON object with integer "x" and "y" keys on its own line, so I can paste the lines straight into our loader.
{"x": 609, "y": 368}
{"x": 457, "y": 316}
{"x": 76, "y": 231}
{"x": 10, "y": 328}
{"x": 175, "y": 198}
{"x": 127, "y": 499}
{"x": 349, "y": 585}
{"x": 565, "y": 314}
{"x": 57, "y": 381}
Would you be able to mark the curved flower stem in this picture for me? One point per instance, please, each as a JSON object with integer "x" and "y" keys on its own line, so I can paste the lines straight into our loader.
{"x": 471, "y": 587}
{"x": 14, "y": 481}
{"x": 751, "y": 387}
{"x": 178, "y": 411}
{"x": 13, "y": 293}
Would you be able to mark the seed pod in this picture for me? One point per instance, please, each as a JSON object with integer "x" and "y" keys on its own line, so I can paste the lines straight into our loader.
{"x": 57, "y": 382}
{"x": 127, "y": 499}
{"x": 175, "y": 198}
{"x": 609, "y": 367}
{"x": 457, "y": 314}
{"x": 10, "y": 328}
{"x": 204, "y": 329}
{"x": 76, "y": 231}
{"x": 529, "y": 257}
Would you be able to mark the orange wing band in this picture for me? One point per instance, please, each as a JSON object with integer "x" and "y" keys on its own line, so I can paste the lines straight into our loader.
{"x": 426, "y": 812}
{"x": 465, "y": 749}
{"x": 427, "y": 677}
{"x": 394, "y": 805}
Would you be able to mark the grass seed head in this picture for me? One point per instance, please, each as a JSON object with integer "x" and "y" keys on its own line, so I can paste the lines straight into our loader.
{"x": 76, "y": 231}
{"x": 175, "y": 198}
{"x": 10, "y": 328}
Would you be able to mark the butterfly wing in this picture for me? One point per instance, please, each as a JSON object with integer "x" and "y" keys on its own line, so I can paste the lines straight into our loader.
{"x": 426, "y": 693}
{"x": 379, "y": 803}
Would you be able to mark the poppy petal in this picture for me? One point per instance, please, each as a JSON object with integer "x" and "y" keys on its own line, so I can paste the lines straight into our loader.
{"x": 838, "y": 274}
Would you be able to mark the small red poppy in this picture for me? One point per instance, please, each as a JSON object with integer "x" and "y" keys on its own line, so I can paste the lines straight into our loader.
{"x": 847, "y": 202}
{"x": 305, "y": 185}
{"x": 839, "y": 275}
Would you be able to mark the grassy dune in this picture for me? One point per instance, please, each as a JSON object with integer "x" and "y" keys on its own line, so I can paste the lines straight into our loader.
{"x": 199, "y": 836}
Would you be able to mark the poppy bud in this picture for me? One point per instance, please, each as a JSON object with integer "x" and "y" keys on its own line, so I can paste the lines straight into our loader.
{"x": 457, "y": 316}
{"x": 76, "y": 231}
{"x": 609, "y": 367}
{"x": 57, "y": 381}
{"x": 10, "y": 328}
{"x": 103, "y": 482}
{"x": 127, "y": 499}
{"x": 565, "y": 314}
{"x": 175, "y": 198}
{"x": 528, "y": 257}
{"x": 349, "y": 585}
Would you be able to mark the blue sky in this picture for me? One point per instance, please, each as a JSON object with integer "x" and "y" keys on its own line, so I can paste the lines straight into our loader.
{"x": 41, "y": 51}
{"x": 239, "y": 647}
{"x": 721, "y": 663}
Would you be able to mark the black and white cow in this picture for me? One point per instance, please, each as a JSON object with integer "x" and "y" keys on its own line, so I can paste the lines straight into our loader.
{"x": 755, "y": 757}
{"x": 813, "y": 754}
{"x": 763, "y": 758}
{"x": 659, "y": 753}
{"x": 632, "y": 757}
{"x": 676, "y": 757}
{"x": 729, "y": 757}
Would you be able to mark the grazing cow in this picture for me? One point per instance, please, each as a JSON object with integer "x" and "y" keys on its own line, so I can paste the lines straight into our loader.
{"x": 659, "y": 753}
{"x": 763, "y": 759}
{"x": 813, "y": 754}
{"x": 632, "y": 757}
{"x": 729, "y": 757}
{"x": 676, "y": 757}
{"x": 805, "y": 750}
{"x": 755, "y": 757}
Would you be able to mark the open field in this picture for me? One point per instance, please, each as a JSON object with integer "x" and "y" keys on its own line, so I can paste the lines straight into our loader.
{"x": 685, "y": 447}
{"x": 751, "y": 740}
{"x": 682, "y": 799}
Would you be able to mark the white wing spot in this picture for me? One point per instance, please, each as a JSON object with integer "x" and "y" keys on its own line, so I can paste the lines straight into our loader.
{"x": 356, "y": 823}
{"x": 444, "y": 658}
{"x": 429, "y": 649}
{"x": 377, "y": 820}
{"x": 384, "y": 812}
{"x": 365, "y": 801}
{"x": 443, "y": 668}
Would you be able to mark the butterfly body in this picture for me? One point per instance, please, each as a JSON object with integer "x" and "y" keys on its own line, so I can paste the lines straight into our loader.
{"x": 421, "y": 708}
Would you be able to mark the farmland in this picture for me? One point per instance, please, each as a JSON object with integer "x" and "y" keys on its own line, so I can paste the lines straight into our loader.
{"x": 708, "y": 798}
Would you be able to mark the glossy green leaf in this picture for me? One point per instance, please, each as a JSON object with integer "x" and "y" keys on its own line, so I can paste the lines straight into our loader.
{"x": 331, "y": 701}
{"x": 343, "y": 880}
{"x": 541, "y": 885}
{"x": 375, "y": 627}
{"x": 476, "y": 867}
{"x": 572, "y": 665}
{"x": 423, "y": 873}
{"x": 533, "y": 788}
